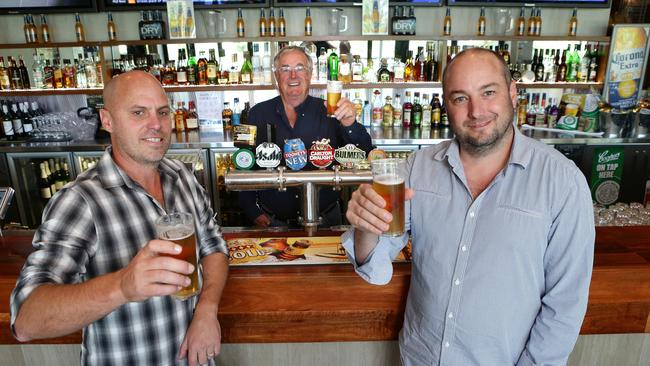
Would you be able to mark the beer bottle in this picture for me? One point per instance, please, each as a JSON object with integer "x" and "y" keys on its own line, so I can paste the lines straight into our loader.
{"x": 538, "y": 19}
{"x": 308, "y": 24}
{"x": 26, "y": 27}
{"x": 79, "y": 29}
{"x": 43, "y": 184}
{"x": 333, "y": 66}
{"x": 446, "y": 30}
{"x": 241, "y": 32}
{"x": 282, "y": 24}
{"x": 7, "y": 124}
{"x": 481, "y": 23}
{"x": 573, "y": 23}
{"x": 532, "y": 23}
{"x": 110, "y": 26}
{"x": 270, "y": 23}
{"x": 262, "y": 23}
{"x": 521, "y": 23}
{"x": 45, "y": 30}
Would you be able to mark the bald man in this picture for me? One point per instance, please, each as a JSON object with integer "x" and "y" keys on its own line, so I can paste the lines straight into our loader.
{"x": 502, "y": 230}
{"x": 98, "y": 265}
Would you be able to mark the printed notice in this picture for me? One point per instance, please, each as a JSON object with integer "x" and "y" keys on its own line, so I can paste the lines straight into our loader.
{"x": 606, "y": 175}
{"x": 626, "y": 61}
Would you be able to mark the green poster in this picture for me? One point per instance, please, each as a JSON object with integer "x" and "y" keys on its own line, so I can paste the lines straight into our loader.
{"x": 606, "y": 174}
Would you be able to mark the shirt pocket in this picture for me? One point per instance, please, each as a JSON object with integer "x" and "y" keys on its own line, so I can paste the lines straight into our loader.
{"x": 428, "y": 213}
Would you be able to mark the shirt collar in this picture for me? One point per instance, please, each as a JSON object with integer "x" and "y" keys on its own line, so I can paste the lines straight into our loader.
{"x": 112, "y": 175}
{"x": 520, "y": 154}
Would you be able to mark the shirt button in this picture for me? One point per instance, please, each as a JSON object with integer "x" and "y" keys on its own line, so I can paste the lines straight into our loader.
{"x": 447, "y": 344}
{"x": 296, "y": 195}
{"x": 463, "y": 248}
{"x": 451, "y": 315}
{"x": 471, "y": 214}
{"x": 457, "y": 282}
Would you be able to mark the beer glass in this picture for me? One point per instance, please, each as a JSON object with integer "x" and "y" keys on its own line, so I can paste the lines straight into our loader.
{"x": 334, "y": 89}
{"x": 178, "y": 227}
{"x": 388, "y": 176}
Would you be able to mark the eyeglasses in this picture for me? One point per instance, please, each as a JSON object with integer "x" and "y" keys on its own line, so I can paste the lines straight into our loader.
{"x": 288, "y": 69}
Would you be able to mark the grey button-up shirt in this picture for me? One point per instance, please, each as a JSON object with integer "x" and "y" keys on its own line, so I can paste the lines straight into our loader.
{"x": 499, "y": 280}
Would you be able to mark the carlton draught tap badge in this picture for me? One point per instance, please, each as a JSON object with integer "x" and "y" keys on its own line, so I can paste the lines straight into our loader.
{"x": 321, "y": 154}
{"x": 295, "y": 154}
{"x": 349, "y": 156}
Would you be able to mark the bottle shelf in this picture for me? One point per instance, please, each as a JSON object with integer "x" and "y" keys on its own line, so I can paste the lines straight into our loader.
{"x": 355, "y": 85}
{"x": 309, "y": 38}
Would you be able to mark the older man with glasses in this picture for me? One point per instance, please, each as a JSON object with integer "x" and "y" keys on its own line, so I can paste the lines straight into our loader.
{"x": 295, "y": 114}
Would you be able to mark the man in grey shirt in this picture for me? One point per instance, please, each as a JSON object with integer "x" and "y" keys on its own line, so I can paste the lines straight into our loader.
{"x": 502, "y": 229}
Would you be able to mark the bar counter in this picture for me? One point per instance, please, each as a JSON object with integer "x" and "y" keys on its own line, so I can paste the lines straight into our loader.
{"x": 323, "y": 303}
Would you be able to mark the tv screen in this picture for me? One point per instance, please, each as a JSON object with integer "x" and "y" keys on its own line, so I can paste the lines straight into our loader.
{"x": 46, "y": 6}
{"x": 162, "y": 4}
{"x": 545, "y": 3}
{"x": 353, "y": 2}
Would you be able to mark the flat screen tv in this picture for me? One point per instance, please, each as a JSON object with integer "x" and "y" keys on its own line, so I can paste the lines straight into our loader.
{"x": 46, "y": 6}
{"x": 353, "y": 2}
{"x": 544, "y": 3}
{"x": 162, "y": 4}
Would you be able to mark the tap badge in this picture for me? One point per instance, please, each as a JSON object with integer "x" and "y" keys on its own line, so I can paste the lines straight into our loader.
{"x": 349, "y": 155}
{"x": 295, "y": 154}
{"x": 321, "y": 154}
{"x": 268, "y": 155}
{"x": 243, "y": 159}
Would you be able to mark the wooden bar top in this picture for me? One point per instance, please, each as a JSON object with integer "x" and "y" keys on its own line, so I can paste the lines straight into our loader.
{"x": 319, "y": 303}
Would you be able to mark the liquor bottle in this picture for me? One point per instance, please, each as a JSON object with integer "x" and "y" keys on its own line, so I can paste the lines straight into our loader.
{"x": 322, "y": 65}
{"x": 236, "y": 113}
{"x": 398, "y": 71}
{"x": 357, "y": 69}
{"x": 420, "y": 66}
{"x": 431, "y": 63}
{"x": 169, "y": 74}
{"x": 540, "y": 111}
{"x": 481, "y": 23}
{"x": 282, "y": 24}
{"x": 262, "y": 23}
{"x": 241, "y": 32}
{"x": 358, "y": 106}
{"x": 28, "y": 122}
{"x": 17, "y": 122}
{"x": 246, "y": 73}
{"x": 14, "y": 75}
{"x": 522, "y": 107}
{"x": 520, "y": 29}
{"x": 48, "y": 75}
{"x": 506, "y": 54}
{"x": 553, "y": 113}
{"x": 110, "y": 27}
{"x": 211, "y": 69}
{"x": 333, "y": 66}
{"x": 573, "y": 23}
{"x": 593, "y": 65}
{"x": 571, "y": 66}
{"x": 79, "y": 28}
{"x": 192, "y": 67}
{"x": 397, "y": 111}
{"x": 270, "y": 23}
{"x": 446, "y": 28}
{"x": 24, "y": 75}
{"x": 539, "y": 69}
{"x": 435, "y": 111}
{"x": 387, "y": 113}
{"x": 308, "y": 25}
{"x": 416, "y": 112}
{"x": 226, "y": 116}
{"x": 37, "y": 73}
{"x": 50, "y": 174}
{"x": 5, "y": 79}
{"x": 562, "y": 68}
{"x": 80, "y": 73}
{"x": 383, "y": 74}
{"x": 26, "y": 27}
{"x": 98, "y": 71}
{"x": 58, "y": 176}
{"x": 233, "y": 75}
{"x": 90, "y": 70}
{"x": 407, "y": 110}
{"x": 243, "y": 119}
{"x": 314, "y": 62}
{"x": 202, "y": 69}
{"x": 377, "y": 117}
{"x": 267, "y": 70}
{"x": 585, "y": 62}
{"x": 538, "y": 19}
{"x": 181, "y": 68}
{"x": 223, "y": 76}
{"x": 58, "y": 74}
{"x": 46, "y": 36}
{"x": 530, "y": 112}
{"x": 179, "y": 118}
{"x": 427, "y": 111}
{"x": 44, "y": 184}
{"x": 7, "y": 124}
{"x": 345, "y": 70}
{"x": 532, "y": 23}
{"x": 366, "y": 114}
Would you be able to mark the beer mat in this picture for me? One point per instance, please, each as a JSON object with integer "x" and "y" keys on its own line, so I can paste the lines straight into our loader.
{"x": 289, "y": 251}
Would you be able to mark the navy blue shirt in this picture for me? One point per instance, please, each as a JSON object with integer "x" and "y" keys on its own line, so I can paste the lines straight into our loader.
{"x": 312, "y": 124}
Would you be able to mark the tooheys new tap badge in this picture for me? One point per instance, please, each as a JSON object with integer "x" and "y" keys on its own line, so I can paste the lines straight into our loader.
{"x": 321, "y": 154}
{"x": 295, "y": 154}
{"x": 268, "y": 155}
{"x": 349, "y": 155}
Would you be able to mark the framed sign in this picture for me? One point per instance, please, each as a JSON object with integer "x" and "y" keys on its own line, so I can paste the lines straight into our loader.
{"x": 628, "y": 56}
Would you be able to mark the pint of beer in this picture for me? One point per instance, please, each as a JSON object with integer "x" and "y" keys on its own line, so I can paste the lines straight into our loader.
{"x": 334, "y": 89}
{"x": 179, "y": 228}
{"x": 388, "y": 176}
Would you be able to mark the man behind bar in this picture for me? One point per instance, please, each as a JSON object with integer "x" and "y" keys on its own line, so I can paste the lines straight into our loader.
{"x": 296, "y": 114}
{"x": 98, "y": 264}
{"x": 502, "y": 229}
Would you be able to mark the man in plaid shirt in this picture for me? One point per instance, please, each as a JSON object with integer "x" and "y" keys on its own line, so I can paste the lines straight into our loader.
{"x": 98, "y": 265}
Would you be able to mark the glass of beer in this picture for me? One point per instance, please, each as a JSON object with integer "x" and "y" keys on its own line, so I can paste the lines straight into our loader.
{"x": 334, "y": 89}
{"x": 178, "y": 227}
{"x": 388, "y": 176}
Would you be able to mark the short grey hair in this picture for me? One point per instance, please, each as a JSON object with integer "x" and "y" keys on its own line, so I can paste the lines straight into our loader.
{"x": 504, "y": 67}
{"x": 276, "y": 59}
